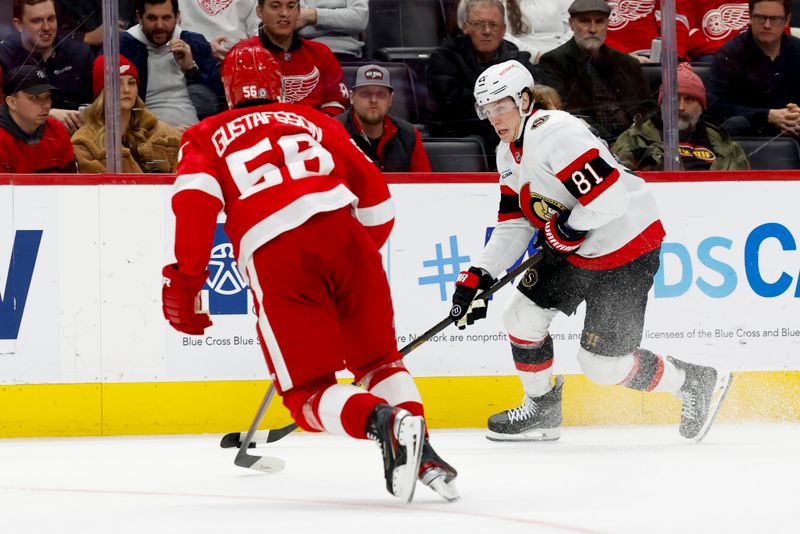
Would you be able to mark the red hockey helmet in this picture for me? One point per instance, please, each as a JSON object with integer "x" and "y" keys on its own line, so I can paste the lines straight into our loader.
{"x": 251, "y": 73}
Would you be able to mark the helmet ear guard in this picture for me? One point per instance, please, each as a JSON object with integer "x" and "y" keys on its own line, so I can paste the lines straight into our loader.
{"x": 507, "y": 79}
{"x": 251, "y": 73}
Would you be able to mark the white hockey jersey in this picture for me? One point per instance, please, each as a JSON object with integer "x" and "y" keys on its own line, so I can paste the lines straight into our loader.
{"x": 558, "y": 166}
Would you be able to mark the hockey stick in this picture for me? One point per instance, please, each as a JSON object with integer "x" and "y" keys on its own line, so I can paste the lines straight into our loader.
{"x": 267, "y": 464}
{"x": 238, "y": 439}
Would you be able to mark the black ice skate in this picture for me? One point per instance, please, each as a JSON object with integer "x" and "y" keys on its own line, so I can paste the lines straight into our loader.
{"x": 400, "y": 436}
{"x": 537, "y": 419}
{"x": 701, "y": 396}
{"x": 437, "y": 474}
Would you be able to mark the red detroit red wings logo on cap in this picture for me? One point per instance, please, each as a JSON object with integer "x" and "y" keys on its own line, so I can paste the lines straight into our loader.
{"x": 214, "y": 7}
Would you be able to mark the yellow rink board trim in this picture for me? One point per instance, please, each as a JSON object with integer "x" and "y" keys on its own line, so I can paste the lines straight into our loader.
{"x": 451, "y": 402}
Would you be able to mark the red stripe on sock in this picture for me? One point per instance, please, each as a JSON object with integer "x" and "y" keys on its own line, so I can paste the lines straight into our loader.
{"x": 524, "y": 342}
{"x": 657, "y": 377}
{"x": 533, "y": 367}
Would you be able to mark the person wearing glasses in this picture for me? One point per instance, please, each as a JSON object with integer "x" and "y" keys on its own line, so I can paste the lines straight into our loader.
{"x": 754, "y": 84}
{"x": 455, "y": 66}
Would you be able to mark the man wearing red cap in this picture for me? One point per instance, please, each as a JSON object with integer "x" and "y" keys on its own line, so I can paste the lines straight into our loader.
{"x": 702, "y": 145}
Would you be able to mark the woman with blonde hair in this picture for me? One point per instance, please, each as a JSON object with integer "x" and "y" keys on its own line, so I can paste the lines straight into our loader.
{"x": 148, "y": 144}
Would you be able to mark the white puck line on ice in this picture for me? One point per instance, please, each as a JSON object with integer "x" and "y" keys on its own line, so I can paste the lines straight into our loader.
{"x": 353, "y": 504}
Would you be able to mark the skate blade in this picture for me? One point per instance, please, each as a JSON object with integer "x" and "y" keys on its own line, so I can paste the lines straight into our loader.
{"x": 437, "y": 479}
{"x": 720, "y": 391}
{"x": 404, "y": 477}
{"x": 539, "y": 434}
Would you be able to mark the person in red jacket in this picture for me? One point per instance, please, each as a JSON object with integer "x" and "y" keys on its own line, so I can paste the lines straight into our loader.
{"x": 307, "y": 213}
{"x": 31, "y": 141}
{"x": 311, "y": 73}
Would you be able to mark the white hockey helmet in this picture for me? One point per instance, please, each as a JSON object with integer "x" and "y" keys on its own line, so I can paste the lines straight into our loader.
{"x": 509, "y": 78}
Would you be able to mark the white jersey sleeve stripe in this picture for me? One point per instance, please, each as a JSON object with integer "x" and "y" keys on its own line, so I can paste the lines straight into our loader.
{"x": 200, "y": 182}
{"x": 376, "y": 215}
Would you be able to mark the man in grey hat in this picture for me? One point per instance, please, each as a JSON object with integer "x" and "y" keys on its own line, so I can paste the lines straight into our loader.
{"x": 30, "y": 140}
{"x": 392, "y": 143}
{"x": 600, "y": 84}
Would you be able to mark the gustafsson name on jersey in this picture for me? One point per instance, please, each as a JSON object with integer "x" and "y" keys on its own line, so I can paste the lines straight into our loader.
{"x": 227, "y": 134}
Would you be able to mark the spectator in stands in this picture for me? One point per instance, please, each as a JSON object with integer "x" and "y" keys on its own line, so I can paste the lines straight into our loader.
{"x": 712, "y": 23}
{"x": 702, "y": 145}
{"x": 535, "y": 26}
{"x": 30, "y": 140}
{"x": 225, "y": 23}
{"x": 634, "y": 24}
{"x": 454, "y": 68}
{"x": 148, "y": 144}
{"x": 186, "y": 85}
{"x": 601, "y": 85}
{"x": 337, "y": 24}
{"x": 754, "y": 83}
{"x": 68, "y": 66}
{"x": 392, "y": 143}
{"x": 83, "y": 20}
{"x": 311, "y": 74}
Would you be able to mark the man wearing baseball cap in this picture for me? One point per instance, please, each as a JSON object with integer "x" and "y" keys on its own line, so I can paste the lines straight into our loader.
{"x": 31, "y": 141}
{"x": 392, "y": 143}
{"x": 702, "y": 145}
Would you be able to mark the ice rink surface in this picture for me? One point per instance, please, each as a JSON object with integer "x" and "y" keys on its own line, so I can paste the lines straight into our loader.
{"x": 742, "y": 478}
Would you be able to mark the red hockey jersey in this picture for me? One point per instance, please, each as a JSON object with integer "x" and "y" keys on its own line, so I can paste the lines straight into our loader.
{"x": 311, "y": 74}
{"x": 271, "y": 168}
{"x": 633, "y": 24}
{"x": 713, "y": 23}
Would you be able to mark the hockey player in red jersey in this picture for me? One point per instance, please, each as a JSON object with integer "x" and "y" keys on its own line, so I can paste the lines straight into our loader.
{"x": 306, "y": 214}
{"x": 600, "y": 235}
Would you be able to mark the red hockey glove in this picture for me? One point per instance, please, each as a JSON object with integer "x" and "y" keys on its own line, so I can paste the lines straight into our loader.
{"x": 465, "y": 309}
{"x": 557, "y": 240}
{"x": 178, "y": 297}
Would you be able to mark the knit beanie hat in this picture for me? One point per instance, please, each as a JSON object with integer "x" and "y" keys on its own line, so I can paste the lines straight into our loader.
{"x": 689, "y": 84}
{"x": 126, "y": 68}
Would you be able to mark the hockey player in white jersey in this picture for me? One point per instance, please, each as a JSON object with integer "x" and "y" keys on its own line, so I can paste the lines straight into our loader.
{"x": 600, "y": 237}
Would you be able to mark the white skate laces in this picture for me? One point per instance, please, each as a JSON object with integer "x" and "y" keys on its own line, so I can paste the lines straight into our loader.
{"x": 520, "y": 413}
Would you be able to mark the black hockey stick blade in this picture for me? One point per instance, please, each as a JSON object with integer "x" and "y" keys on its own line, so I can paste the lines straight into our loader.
{"x": 234, "y": 439}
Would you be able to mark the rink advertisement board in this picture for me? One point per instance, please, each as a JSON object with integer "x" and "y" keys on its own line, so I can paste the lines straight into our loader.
{"x": 81, "y": 298}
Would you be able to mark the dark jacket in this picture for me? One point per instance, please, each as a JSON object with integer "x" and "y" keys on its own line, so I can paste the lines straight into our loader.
{"x": 641, "y": 147}
{"x": 69, "y": 68}
{"x": 451, "y": 73}
{"x": 207, "y": 67}
{"x": 566, "y": 69}
{"x": 400, "y": 148}
{"x": 744, "y": 81}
